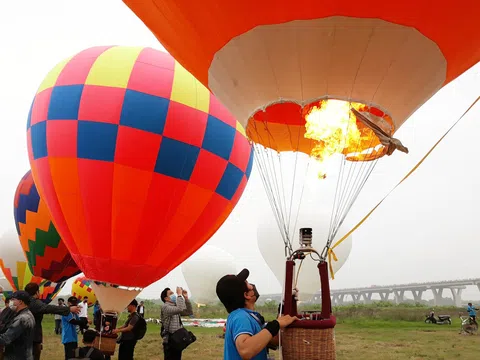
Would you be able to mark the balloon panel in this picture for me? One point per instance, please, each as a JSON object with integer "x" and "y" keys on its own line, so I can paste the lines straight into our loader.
{"x": 47, "y": 255}
{"x": 137, "y": 185}
{"x": 16, "y": 270}
{"x": 49, "y": 290}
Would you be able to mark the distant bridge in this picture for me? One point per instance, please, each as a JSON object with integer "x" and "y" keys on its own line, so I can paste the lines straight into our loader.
{"x": 397, "y": 292}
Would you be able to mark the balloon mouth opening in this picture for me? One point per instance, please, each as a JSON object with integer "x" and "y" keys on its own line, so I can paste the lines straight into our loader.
{"x": 322, "y": 128}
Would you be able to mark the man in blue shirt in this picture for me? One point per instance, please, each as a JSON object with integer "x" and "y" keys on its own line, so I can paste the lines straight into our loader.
{"x": 246, "y": 337}
{"x": 472, "y": 313}
{"x": 69, "y": 330}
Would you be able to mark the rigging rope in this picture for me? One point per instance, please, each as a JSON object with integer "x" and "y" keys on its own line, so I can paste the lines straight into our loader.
{"x": 408, "y": 174}
{"x": 283, "y": 195}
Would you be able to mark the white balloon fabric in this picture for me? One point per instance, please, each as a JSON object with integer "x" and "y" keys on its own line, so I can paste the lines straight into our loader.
{"x": 4, "y": 283}
{"x": 202, "y": 271}
{"x": 13, "y": 260}
{"x": 11, "y": 251}
{"x": 272, "y": 249}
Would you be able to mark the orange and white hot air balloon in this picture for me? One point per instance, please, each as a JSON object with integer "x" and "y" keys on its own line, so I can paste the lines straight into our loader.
{"x": 325, "y": 80}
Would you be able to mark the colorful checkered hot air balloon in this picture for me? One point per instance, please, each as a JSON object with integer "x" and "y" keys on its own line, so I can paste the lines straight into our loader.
{"x": 81, "y": 287}
{"x": 16, "y": 270}
{"x": 138, "y": 163}
{"x": 47, "y": 255}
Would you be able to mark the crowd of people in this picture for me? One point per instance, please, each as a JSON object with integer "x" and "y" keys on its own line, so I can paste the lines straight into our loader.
{"x": 247, "y": 335}
{"x": 21, "y": 334}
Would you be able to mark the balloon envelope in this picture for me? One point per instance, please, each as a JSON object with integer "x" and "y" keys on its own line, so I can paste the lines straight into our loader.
{"x": 255, "y": 53}
{"x": 47, "y": 255}
{"x": 203, "y": 269}
{"x": 137, "y": 184}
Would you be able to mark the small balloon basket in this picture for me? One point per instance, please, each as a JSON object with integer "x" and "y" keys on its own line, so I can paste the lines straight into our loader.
{"x": 105, "y": 341}
{"x": 313, "y": 336}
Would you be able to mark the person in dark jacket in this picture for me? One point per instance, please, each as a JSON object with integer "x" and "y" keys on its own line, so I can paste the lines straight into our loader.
{"x": 127, "y": 339}
{"x": 6, "y": 317}
{"x": 38, "y": 309}
{"x": 18, "y": 338}
{"x": 141, "y": 309}
{"x": 89, "y": 351}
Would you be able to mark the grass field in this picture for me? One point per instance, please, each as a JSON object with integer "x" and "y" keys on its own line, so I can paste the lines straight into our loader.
{"x": 366, "y": 333}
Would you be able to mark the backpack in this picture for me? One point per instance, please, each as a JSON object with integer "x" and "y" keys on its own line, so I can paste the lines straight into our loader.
{"x": 87, "y": 355}
{"x": 140, "y": 328}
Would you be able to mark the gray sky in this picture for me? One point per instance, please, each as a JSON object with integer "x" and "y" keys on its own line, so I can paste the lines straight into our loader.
{"x": 426, "y": 230}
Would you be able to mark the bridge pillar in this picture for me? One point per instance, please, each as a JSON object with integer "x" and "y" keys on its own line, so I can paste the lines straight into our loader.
{"x": 384, "y": 295}
{"x": 367, "y": 297}
{"x": 437, "y": 296}
{"x": 355, "y": 297}
{"x": 399, "y": 296}
{"x": 417, "y": 295}
{"x": 457, "y": 296}
{"x": 337, "y": 299}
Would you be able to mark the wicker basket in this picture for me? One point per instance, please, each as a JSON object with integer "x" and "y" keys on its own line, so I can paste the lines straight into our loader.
{"x": 308, "y": 344}
{"x": 106, "y": 344}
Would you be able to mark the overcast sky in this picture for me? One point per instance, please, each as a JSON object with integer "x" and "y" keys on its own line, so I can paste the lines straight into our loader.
{"x": 428, "y": 229}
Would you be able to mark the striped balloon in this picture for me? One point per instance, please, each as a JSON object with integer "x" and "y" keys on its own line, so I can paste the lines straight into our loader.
{"x": 47, "y": 255}
{"x": 16, "y": 270}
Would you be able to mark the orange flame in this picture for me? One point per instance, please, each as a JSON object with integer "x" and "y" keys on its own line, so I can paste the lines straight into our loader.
{"x": 334, "y": 129}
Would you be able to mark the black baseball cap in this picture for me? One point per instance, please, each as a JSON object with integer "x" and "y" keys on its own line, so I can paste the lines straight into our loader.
{"x": 231, "y": 288}
{"x": 22, "y": 296}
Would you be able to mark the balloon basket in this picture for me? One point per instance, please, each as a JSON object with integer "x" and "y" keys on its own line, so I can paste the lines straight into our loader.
{"x": 312, "y": 337}
{"x": 308, "y": 344}
{"x": 106, "y": 343}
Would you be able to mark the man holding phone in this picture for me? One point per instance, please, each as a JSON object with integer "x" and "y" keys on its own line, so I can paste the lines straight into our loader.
{"x": 175, "y": 305}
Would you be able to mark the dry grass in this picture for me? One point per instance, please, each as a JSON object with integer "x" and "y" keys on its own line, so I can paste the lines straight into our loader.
{"x": 359, "y": 339}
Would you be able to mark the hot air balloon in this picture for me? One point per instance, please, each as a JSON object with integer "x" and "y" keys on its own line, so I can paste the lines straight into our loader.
{"x": 82, "y": 287}
{"x": 15, "y": 268}
{"x": 319, "y": 79}
{"x": 47, "y": 255}
{"x": 203, "y": 269}
{"x": 138, "y": 184}
{"x": 332, "y": 81}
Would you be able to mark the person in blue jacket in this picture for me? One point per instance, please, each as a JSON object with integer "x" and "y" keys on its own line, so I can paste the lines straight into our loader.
{"x": 246, "y": 335}
{"x": 472, "y": 312}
